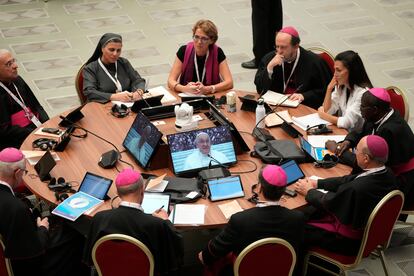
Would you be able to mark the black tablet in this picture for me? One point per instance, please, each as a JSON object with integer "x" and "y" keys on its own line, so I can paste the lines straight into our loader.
{"x": 73, "y": 117}
{"x": 293, "y": 171}
{"x": 146, "y": 102}
{"x": 45, "y": 165}
{"x": 225, "y": 188}
{"x": 95, "y": 185}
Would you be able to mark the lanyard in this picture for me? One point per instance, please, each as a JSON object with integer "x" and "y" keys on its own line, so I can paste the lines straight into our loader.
{"x": 196, "y": 67}
{"x": 382, "y": 120}
{"x": 291, "y": 72}
{"x": 131, "y": 205}
{"x": 115, "y": 80}
{"x": 22, "y": 104}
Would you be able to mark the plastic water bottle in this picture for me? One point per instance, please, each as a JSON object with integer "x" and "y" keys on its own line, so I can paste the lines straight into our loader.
{"x": 260, "y": 113}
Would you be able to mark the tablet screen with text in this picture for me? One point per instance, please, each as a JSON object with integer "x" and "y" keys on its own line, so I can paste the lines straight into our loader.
{"x": 225, "y": 188}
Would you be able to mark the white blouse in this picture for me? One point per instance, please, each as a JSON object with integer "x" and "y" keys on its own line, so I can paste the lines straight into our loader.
{"x": 350, "y": 112}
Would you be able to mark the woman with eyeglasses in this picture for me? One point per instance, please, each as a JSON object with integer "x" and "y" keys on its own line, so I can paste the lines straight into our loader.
{"x": 342, "y": 102}
{"x": 200, "y": 67}
{"x": 109, "y": 77}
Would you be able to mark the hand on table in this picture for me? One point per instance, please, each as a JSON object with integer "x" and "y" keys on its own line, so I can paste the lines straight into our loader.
{"x": 124, "y": 96}
{"x": 303, "y": 186}
{"x": 297, "y": 97}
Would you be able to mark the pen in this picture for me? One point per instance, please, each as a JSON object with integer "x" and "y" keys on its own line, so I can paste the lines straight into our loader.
{"x": 160, "y": 208}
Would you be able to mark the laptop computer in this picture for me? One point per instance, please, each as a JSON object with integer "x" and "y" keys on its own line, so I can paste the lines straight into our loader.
{"x": 316, "y": 153}
{"x": 225, "y": 188}
{"x": 95, "y": 185}
{"x": 293, "y": 171}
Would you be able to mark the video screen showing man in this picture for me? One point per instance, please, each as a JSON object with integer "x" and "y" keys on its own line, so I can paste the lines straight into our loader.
{"x": 141, "y": 140}
{"x": 201, "y": 149}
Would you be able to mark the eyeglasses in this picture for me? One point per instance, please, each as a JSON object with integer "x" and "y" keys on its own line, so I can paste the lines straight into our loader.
{"x": 201, "y": 39}
{"x": 10, "y": 63}
{"x": 255, "y": 196}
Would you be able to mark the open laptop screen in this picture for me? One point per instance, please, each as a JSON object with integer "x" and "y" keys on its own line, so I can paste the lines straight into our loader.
{"x": 142, "y": 140}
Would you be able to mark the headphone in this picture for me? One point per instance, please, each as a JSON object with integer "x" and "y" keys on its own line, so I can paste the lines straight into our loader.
{"x": 44, "y": 144}
{"x": 328, "y": 161}
{"x": 61, "y": 196}
{"x": 120, "y": 111}
{"x": 59, "y": 185}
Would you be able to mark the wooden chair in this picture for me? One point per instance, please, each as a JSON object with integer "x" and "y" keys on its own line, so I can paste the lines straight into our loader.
{"x": 118, "y": 254}
{"x": 265, "y": 257}
{"x": 5, "y": 265}
{"x": 325, "y": 55}
{"x": 375, "y": 240}
{"x": 79, "y": 85}
{"x": 399, "y": 101}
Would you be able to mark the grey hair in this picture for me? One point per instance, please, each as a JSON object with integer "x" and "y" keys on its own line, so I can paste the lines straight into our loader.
{"x": 132, "y": 188}
{"x": 8, "y": 168}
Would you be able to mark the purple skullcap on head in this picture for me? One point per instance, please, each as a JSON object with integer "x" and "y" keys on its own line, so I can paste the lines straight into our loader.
{"x": 11, "y": 155}
{"x": 380, "y": 93}
{"x": 274, "y": 175}
{"x": 377, "y": 146}
{"x": 290, "y": 30}
{"x": 127, "y": 177}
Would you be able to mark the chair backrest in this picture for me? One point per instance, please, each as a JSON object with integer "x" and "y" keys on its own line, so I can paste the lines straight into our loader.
{"x": 118, "y": 254}
{"x": 325, "y": 55}
{"x": 265, "y": 255}
{"x": 399, "y": 101}
{"x": 79, "y": 85}
{"x": 5, "y": 265}
{"x": 381, "y": 223}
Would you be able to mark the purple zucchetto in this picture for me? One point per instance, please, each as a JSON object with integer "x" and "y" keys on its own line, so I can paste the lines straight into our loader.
{"x": 290, "y": 30}
{"x": 274, "y": 175}
{"x": 11, "y": 155}
{"x": 377, "y": 146}
{"x": 380, "y": 93}
{"x": 127, "y": 177}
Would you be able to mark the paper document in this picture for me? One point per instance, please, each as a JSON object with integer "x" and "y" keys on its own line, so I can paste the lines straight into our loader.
{"x": 189, "y": 214}
{"x": 318, "y": 141}
{"x": 75, "y": 205}
{"x": 228, "y": 209}
{"x": 160, "y": 90}
{"x": 183, "y": 95}
{"x": 274, "y": 98}
{"x": 274, "y": 120}
{"x": 33, "y": 156}
{"x": 311, "y": 120}
{"x": 157, "y": 184}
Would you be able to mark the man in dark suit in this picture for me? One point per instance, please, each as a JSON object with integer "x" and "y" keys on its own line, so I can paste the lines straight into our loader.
{"x": 155, "y": 230}
{"x": 384, "y": 121}
{"x": 293, "y": 70}
{"x": 267, "y": 19}
{"x": 20, "y": 111}
{"x": 344, "y": 207}
{"x": 267, "y": 219}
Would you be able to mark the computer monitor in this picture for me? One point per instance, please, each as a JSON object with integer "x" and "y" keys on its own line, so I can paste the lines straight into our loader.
{"x": 195, "y": 150}
{"x": 216, "y": 114}
{"x": 142, "y": 140}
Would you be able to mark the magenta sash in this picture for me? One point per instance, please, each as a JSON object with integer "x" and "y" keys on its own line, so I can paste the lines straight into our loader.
{"x": 331, "y": 224}
{"x": 20, "y": 119}
{"x": 211, "y": 64}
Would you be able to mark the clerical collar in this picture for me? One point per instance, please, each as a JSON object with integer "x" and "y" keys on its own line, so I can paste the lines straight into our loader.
{"x": 131, "y": 205}
{"x": 7, "y": 185}
{"x": 382, "y": 120}
{"x": 267, "y": 203}
{"x": 371, "y": 171}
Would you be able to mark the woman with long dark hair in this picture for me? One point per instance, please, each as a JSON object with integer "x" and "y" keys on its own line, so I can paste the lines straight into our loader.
{"x": 342, "y": 102}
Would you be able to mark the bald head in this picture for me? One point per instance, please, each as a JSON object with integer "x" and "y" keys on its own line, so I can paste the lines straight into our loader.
{"x": 8, "y": 66}
{"x": 371, "y": 152}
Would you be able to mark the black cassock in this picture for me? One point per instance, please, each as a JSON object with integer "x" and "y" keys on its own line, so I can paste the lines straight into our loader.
{"x": 161, "y": 238}
{"x": 351, "y": 200}
{"x": 312, "y": 75}
{"x": 24, "y": 242}
{"x": 13, "y": 136}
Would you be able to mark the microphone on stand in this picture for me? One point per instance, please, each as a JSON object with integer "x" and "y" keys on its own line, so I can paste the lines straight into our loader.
{"x": 215, "y": 160}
